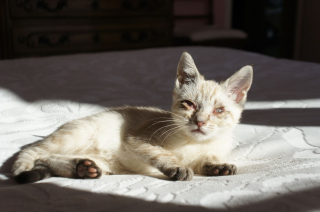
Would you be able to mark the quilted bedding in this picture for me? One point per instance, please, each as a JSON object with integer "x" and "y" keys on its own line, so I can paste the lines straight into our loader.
{"x": 277, "y": 143}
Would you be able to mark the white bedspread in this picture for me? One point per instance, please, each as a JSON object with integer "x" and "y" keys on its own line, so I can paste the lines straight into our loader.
{"x": 278, "y": 141}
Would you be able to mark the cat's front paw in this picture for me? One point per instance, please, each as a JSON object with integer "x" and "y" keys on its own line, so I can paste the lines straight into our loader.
{"x": 87, "y": 169}
{"x": 179, "y": 173}
{"x": 219, "y": 169}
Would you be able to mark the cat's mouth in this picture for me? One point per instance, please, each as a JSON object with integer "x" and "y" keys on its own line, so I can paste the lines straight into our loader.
{"x": 198, "y": 131}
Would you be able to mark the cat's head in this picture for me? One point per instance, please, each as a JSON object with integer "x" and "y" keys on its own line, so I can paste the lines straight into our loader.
{"x": 205, "y": 109}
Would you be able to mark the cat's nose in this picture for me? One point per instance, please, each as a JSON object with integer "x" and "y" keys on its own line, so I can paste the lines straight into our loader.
{"x": 200, "y": 123}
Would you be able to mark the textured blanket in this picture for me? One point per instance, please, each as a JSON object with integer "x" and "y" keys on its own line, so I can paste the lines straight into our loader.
{"x": 278, "y": 140}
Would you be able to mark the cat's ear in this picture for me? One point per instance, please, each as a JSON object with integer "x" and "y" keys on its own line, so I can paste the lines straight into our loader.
{"x": 238, "y": 85}
{"x": 187, "y": 72}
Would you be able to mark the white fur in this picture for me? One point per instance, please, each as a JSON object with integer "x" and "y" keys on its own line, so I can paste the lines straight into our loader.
{"x": 123, "y": 140}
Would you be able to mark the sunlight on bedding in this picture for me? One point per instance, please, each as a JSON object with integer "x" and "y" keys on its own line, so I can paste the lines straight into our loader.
{"x": 277, "y": 144}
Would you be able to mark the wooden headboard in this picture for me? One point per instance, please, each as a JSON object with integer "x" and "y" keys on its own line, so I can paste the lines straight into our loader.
{"x": 51, "y": 27}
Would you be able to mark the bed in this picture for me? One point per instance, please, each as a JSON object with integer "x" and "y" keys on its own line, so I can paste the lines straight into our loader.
{"x": 277, "y": 143}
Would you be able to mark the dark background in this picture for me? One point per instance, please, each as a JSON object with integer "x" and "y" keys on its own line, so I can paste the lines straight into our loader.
{"x": 279, "y": 28}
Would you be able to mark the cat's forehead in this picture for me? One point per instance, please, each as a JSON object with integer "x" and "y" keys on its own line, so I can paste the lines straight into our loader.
{"x": 209, "y": 92}
{"x": 205, "y": 92}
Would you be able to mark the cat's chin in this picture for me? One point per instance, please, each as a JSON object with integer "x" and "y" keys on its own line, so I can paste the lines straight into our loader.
{"x": 199, "y": 135}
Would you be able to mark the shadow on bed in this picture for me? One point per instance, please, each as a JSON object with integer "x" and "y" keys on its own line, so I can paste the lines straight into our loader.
{"x": 135, "y": 77}
{"x": 282, "y": 117}
{"x": 6, "y": 166}
{"x": 105, "y": 96}
{"x": 50, "y": 197}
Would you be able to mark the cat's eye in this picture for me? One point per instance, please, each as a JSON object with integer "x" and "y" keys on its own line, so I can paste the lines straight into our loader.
{"x": 188, "y": 104}
{"x": 219, "y": 110}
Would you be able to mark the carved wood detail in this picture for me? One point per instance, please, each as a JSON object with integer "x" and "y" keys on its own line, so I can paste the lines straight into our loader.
{"x": 55, "y": 39}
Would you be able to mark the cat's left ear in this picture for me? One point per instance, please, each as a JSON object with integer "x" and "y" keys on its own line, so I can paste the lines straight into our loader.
{"x": 187, "y": 72}
{"x": 238, "y": 85}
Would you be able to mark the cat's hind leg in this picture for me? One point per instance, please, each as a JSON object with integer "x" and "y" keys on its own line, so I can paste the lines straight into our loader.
{"x": 64, "y": 166}
{"x": 27, "y": 157}
{"x": 38, "y": 172}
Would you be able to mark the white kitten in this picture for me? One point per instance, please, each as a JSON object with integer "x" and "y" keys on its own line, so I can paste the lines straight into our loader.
{"x": 194, "y": 138}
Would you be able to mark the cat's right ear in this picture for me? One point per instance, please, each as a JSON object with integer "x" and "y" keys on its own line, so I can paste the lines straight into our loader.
{"x": 187, "y": 72}
{"x": 238, "y": 85}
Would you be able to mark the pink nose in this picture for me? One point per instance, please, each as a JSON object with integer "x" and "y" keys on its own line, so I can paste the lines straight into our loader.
{"x": 200, "y": 123}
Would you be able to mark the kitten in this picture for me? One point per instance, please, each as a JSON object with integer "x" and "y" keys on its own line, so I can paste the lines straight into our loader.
{"x": 194, "y": 138}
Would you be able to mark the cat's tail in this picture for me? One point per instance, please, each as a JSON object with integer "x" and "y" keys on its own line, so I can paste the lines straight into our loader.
{"x": 39, "y": 172}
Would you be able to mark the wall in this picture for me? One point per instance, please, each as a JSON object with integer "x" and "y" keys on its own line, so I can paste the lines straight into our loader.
{"x": 308, "y": 31}
{"x": 200, "y": 12}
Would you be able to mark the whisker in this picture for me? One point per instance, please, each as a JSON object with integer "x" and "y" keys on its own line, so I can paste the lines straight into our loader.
{"x": 169, "y": 119}
{"x": 181, "y": 128}
{"x": 176, "y": 114}
{"x": 172, "y": 132}
{"x": 158, "y": 123}
{"x": 164, "y": 121}
{"x": 163, "y": 117}
{"x": 160, "y": 129}
{"x": 211, "y": 128}
{"x": 169, "y": 130}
